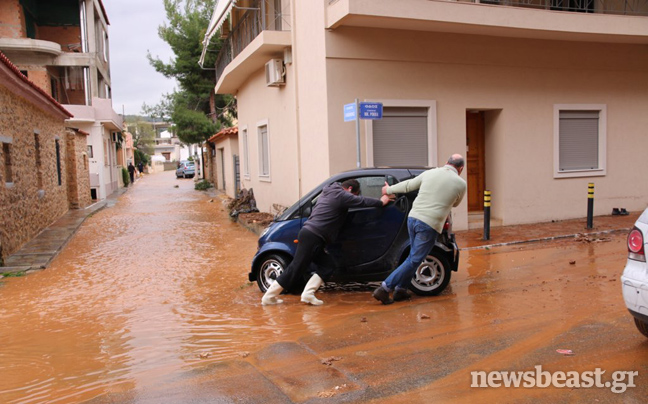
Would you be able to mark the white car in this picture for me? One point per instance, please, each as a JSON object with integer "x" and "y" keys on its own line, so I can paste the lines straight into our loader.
{"x": 634, "y": 280}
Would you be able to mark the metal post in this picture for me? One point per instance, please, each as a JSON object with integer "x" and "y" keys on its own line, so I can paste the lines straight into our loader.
{"x": 487, "y": 205}
{"x": 357, "y": 106}
{"x": 590, "y": 205}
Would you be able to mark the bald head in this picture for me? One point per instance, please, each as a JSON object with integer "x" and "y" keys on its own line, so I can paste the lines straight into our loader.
{"x": 456, "y": 160}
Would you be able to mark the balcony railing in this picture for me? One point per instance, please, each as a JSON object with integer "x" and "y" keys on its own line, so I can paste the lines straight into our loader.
{"x": 251, "y": 24}
{"x": 622, "y": 7}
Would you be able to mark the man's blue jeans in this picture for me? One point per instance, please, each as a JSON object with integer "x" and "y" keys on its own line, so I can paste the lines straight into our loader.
{"x": 422, "y": 239}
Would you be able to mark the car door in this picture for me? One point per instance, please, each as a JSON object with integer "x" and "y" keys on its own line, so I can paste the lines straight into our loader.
{"x": 368, "y": 233}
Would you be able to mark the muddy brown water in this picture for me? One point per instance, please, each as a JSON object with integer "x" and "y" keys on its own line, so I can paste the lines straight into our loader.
{"x": 153, "y": 291}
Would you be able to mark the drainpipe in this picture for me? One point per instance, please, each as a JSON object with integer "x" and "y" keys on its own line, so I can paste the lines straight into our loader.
{"x": 84, "y": 28}
{"x": 293, "y": 35}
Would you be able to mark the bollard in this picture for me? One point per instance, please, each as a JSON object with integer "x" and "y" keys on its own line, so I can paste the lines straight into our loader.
{"x": 590, "y": 205}
{"x": 487, "y": 204}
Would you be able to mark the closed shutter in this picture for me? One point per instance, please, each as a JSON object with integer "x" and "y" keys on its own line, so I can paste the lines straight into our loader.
{"x": 401, "y": 137}
{"x": 265, "y": 151}
{"x": 579, "y": 140}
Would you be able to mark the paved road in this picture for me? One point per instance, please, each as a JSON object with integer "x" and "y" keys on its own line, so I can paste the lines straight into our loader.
{"x": 149, "y": 303}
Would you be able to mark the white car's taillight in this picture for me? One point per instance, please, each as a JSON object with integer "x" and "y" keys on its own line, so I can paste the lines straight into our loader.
{"x": 636, "y": 246}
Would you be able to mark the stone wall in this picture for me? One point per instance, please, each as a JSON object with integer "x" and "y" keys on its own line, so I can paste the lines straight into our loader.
{"x": 78, "y": 173}
{"x": 25, "y": 207}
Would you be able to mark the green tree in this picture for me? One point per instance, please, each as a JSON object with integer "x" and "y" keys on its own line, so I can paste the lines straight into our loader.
{"x": 143, "y": 137}
{"x": 195, "y": 110}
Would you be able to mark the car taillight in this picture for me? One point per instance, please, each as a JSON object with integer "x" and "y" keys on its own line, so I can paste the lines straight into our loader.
{"x": 636, "y": 245}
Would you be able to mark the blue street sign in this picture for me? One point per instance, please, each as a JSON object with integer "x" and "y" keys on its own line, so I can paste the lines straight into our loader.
{"x": 371, "y": 110}
{"x": 349, "y": 112}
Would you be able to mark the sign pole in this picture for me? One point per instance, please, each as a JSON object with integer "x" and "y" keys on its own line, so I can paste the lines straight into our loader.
{"x": 358, "y": 130}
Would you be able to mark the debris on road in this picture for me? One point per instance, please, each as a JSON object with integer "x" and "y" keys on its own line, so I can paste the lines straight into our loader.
{"x": 244, "y": 354}
{"x": 572, "y": 262}
{"x": 423, "y": 317}
{"x": 363, "y": 320}
{"x": 584, "y": 238}
{"x": 329, "y": 361}
{"x": 331, "y": 392}
{"x": 565, "y": 352}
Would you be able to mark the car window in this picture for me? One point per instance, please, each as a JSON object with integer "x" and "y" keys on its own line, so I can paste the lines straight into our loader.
{"x": 371, "y": 187}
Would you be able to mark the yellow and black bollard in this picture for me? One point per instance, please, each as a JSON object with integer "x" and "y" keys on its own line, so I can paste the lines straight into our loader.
{"x": 487, "y": 205}
{"x": 590, "y": 205}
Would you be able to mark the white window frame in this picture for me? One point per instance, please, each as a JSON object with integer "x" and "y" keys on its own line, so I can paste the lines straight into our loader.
{"x": 246, "y": 152}
{"x": 264, "y": 177}
{"x": 602, "y": 140}
{"x": 433, "y": 149}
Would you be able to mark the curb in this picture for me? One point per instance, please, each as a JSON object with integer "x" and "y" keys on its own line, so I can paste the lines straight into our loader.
{"x": 536, "y": 240}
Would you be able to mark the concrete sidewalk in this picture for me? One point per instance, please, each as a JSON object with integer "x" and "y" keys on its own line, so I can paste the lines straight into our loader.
{"x": 507, "y": 235}
{"x": 42, "y": 249}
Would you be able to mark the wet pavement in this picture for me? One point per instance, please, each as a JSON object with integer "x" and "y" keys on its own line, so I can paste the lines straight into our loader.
{"x": 149, "y": 303}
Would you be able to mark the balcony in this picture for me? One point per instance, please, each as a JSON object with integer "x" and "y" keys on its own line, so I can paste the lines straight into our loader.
{"x": 30, "y": 46}
{"x": 621, "y": 21}
{"x": 258, "y": 35}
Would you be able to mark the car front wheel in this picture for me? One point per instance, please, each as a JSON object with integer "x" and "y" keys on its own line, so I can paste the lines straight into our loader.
{"x": 641, "y": 326}
{"x": 269, "y": 270}
{"x": 432, "y": 276}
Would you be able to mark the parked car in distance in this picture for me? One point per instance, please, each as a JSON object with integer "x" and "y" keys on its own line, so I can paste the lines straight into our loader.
{"x": 186, "y": 169}
{"x": 634, "y": 281}
{"x": 370, "y": 245}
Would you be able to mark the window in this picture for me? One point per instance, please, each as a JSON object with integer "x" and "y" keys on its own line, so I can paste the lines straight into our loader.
{"x": 264, "y": 150}
{"x": 58, "y": 161}
{"x": 37, "y": 158}
{"x": 90, "y": 153}
{"x": 246, "y": 154}
{"x": 406, "y": 135}
{"x": 579, "y": 140}
{"x": 6, "y": 160}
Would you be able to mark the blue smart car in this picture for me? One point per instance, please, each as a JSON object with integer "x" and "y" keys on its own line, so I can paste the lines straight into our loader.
{"x": 371, "y": 244}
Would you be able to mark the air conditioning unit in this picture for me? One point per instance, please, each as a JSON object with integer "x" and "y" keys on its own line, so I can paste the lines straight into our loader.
{"x": 275, "y": 73}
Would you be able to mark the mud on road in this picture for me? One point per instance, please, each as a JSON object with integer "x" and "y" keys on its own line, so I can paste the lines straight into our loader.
{"x": 150, "y": 303}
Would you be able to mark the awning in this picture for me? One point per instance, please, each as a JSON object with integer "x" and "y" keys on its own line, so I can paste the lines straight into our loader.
{"x": 221, "y": 12}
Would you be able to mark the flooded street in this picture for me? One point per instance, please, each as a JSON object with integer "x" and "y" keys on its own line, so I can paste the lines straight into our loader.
{"x": 150, "y": 303}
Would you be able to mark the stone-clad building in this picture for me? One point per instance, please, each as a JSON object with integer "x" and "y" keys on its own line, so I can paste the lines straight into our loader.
{"x": 63, "y": 47}
{"x": 43, "y": 165}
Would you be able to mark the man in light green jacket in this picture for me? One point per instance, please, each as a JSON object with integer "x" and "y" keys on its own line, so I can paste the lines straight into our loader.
{"x": 440, "y": 189}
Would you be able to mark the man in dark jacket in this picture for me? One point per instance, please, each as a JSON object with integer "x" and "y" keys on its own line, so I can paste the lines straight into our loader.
{"x": 131, "y": 172}
{"x": 321, "y": 228}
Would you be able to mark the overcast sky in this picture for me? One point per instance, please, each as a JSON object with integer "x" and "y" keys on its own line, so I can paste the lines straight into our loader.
{"x": 133, "y": 32}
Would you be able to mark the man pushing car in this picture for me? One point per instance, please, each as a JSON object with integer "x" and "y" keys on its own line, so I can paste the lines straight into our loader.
{"x": 321, "y": 228}
{"x": 440, "y": 189}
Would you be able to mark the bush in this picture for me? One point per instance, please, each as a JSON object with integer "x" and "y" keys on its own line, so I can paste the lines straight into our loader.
{"x": 125, "y": 177}
{"x": 203, "y": 185}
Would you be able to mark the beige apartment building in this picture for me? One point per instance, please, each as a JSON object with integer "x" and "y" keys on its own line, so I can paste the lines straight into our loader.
{"x": 43, "y": 164}
{"x": 63, "y": 47}
{"x": 541, "y": 96}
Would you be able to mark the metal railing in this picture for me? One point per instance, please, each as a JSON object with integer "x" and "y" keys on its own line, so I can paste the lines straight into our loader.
{"x": 623, "y": 7}
{"x": 251, "y": 24}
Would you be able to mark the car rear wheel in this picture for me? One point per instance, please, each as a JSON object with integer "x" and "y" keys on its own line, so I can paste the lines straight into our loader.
{"x": 269, "y": 270}
{"x": 641, "y": 326}
{"x": 432, "y": 275}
